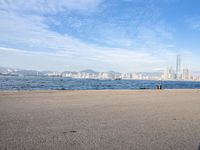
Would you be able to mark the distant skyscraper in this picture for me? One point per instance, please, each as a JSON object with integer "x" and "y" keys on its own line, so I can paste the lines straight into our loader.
{"x": 169, "y": 74}
{"x": 186, "y": 74}
{"x": 178, "y": 67}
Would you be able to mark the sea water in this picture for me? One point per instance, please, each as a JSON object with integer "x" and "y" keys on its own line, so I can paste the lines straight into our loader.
{"x": 61, "y": 83}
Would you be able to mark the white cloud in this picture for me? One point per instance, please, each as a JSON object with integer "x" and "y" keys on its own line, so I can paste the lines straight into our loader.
{"x": 194, "y": 22}
{"x": 155, "y": 35}
{"x": 40, "y": 44}
{"x": 50, "y": 6}
{"x": 32, "y": 44}
{"x": 106, "y": 59}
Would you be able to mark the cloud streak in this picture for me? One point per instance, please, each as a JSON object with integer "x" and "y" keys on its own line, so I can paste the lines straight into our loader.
{"x": 28, "y": 40}
{"x": 194, "y": 22}
{"x": 51, "y": 6}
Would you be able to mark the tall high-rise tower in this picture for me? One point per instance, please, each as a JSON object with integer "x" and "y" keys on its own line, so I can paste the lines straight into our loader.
{"x": 178, "y": 67}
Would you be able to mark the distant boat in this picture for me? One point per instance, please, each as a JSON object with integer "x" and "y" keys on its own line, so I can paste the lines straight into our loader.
{"x": 118, "y": 78}
{"x": 144, "y": 88}
{"x": 7, "y": 74}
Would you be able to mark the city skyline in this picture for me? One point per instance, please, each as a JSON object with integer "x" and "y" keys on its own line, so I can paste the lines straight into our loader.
{"x": 121, "y": 35}
{"x": 169, "y": 74}
{"x": 178, "y": 73}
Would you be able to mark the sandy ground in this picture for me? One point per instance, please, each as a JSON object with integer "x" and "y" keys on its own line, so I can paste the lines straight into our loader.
{"x": 100, "y": 120}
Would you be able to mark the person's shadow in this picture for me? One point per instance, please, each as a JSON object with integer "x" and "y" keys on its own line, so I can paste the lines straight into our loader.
{"x": 199, "y": 147}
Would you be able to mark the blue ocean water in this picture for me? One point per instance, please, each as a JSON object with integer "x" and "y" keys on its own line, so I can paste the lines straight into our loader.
{"x": 59, "y": 83}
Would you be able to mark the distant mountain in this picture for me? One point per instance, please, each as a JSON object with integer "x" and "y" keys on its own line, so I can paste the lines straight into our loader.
{"x": 89, "y": 71}
{"x": 6, "y": 70}
{"x": 151, "y": 74}
{"x": 28, "y": 72}
{"x": 11, "y": 71}
{"x": 73, "y": 72}
{"x": 113, "y": 72}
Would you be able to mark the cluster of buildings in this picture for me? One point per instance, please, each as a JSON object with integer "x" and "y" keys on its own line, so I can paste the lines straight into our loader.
{"x": 106, "y": 75}
{"x": 178, "y": 73}
{"x": 169, "y": 74}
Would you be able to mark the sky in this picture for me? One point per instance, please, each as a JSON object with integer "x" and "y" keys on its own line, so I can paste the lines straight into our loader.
{"x": 103, "y": 35}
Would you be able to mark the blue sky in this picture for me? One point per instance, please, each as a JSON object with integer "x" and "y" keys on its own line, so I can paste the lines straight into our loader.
{"x": 120, "y": 35}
